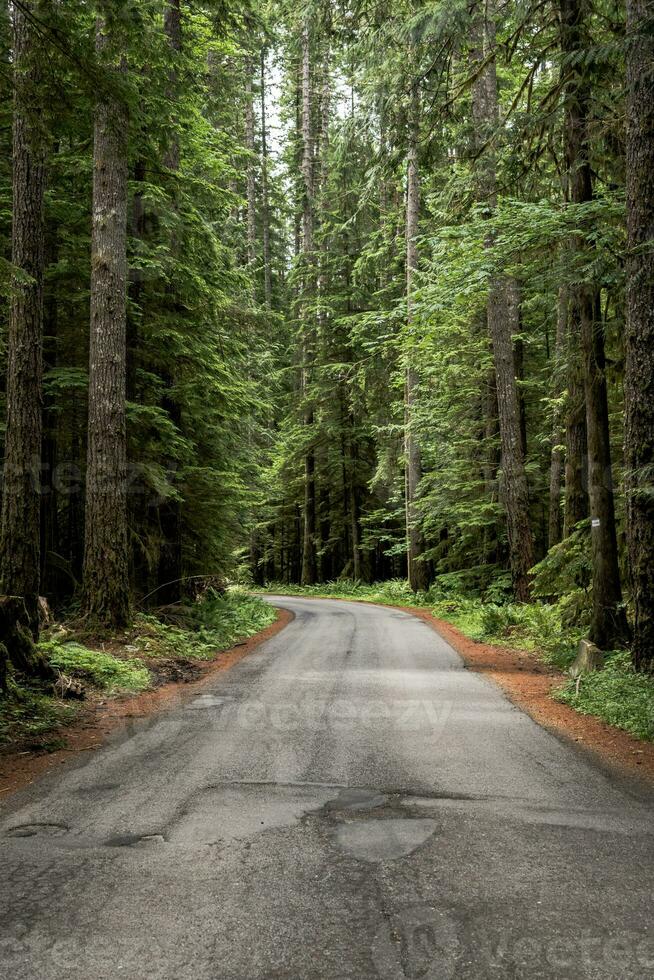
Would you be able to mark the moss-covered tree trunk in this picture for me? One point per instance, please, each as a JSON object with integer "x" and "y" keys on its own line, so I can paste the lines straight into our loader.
{"x": 106, "y": 588}
{"x": 639, "y": 378}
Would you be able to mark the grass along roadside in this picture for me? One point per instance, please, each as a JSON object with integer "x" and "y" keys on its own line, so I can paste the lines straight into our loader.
{"x": 617, "y": 695}
{"x": 153, "y": 651}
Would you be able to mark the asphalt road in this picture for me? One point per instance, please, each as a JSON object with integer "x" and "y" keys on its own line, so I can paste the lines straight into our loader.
{"x": 347, "y": 801}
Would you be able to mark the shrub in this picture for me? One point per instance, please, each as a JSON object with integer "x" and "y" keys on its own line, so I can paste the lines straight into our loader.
{"x": 617, "y": 694}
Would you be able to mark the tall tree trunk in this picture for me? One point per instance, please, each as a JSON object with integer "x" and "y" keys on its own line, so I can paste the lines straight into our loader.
{"x": 576, "y": 443}
{"x": 519, "y": 369}
{"x": 503, "y": 323}
{"x": 556, "y": 455}
{"x": 576, "y": 436}
{"x": 106, "y": 589}
{"x": 50, "y": 443}
{"x": 265, "y": 201}
{"x": 251, "y": 186}
{"x": 20, "y": 525}
{"x": 173, "y": 32}
{"x": 309, "y": 567}
{"x": 417, "y": 572}
{"x": 609, "y": 625}
{"x": 169, "y": 570}
{"x": 639, "y": 378}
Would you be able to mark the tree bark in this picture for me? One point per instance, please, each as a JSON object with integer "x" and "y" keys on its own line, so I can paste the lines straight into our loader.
{"x": 251, "y": 187}
{"x": 609, "y": 625}
{"x": 265, "y": 202}
{"x": 417, "y": 572}
{"x": 503, "y": 320}
{"x": 49, "y": 517}
{"x": 309, "y": 565}
{"x": 503, "y": 311}
{"x": 20, "y": 523}
{"x": 639, "y": 377}
{"x": 173, "y": 31}
{"x": 576, "y": 436}
{"x": 169, "y": 570}
{"x": 106, "y": 590}
{"x": 576, "y": 443}
{"x": 556, "y": 455}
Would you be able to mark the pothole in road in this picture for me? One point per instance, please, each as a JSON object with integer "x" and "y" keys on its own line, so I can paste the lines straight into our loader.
{"x": 38, "y": 830}
{"x": 208, "y": 701}
{"x": 132, "y": 840}
{"x": 385, "y": 839}
{"x": 357, "y": 800}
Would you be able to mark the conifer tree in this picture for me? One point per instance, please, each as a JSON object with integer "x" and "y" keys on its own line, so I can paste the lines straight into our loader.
{"x": 639, "y": 377}
{"x": 20, "y": 527}
{"x": 106, "y": 581}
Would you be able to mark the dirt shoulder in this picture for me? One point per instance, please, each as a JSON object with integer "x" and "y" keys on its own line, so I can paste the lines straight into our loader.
{"x": 102, "y": 718}
{"x": 528, "y": 683}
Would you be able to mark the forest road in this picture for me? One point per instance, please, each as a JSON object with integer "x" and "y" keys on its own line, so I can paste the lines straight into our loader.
{"x": 347, "y": 801}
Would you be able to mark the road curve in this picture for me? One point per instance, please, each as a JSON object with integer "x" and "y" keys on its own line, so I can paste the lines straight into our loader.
{"x": 346, "y": 802}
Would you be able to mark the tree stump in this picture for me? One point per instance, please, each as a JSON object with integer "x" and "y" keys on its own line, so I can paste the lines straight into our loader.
{"x": 16, "y": 644}
{"x": 589, "y": 657}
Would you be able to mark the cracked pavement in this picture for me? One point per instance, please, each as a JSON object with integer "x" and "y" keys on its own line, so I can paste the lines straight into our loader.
{"x": 347, "y": 801}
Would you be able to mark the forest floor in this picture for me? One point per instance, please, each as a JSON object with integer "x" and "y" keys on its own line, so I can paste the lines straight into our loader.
{"x": 151, "y": 667}
{"x": 537, "y": 682}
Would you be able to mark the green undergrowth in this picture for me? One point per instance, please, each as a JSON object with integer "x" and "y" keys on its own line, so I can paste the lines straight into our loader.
{"x": 127, "y": 663}
{"x": 394, "y": 592}
{"x": 199, "y": 632}
{"x": 27, "y": 716}
{"x": 617, "y": 694}
{"x": 533, "y": 627}
{"x": 113, "y": 675}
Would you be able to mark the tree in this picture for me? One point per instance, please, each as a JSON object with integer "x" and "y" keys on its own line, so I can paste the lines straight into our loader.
{"x": 557, "y": 460}
{"x": 20, "y": 522}
{"x": 639, "y": 340}
{"x": 309, "y": 568}
{"x": 609, "y": 625}
{"x": 251, "y": 174}
{"x": 265, "y": 197}
{"x": 106, "y": 582}
{"x": 416, "y": 568}
{"x": 503, "y": 323}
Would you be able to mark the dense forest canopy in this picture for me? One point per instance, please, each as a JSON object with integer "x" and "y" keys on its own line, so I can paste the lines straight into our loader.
{"x": 333, "y": 288}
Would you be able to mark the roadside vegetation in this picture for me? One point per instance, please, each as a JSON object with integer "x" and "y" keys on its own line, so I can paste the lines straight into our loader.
{"x": 155, "y": 649}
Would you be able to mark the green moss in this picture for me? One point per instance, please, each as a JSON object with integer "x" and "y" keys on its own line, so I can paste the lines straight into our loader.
{"x": 110, "y": 674}
{"x": 26, "y": 715}
{"x": 617, "y": 694}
